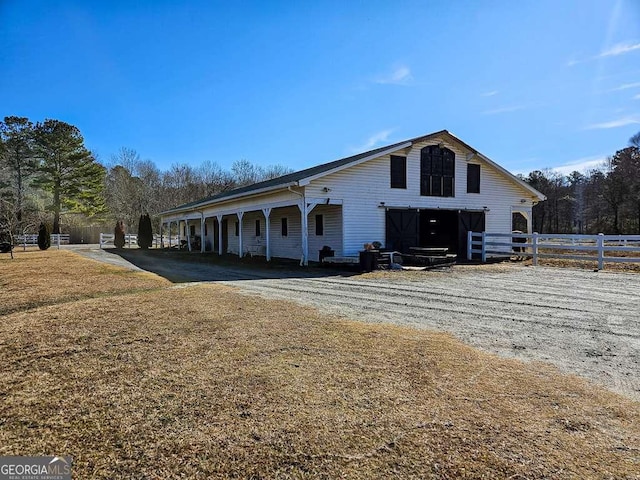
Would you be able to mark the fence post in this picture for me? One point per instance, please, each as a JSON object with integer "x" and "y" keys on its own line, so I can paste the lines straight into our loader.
{"x": 58, "y": 241}
{"x": 600, "y": 242}
{"x": 484, "y": 247}
{"x": 129, "y": 240}
{"x": 469, "y": 245}
{"x": 534, "y": 246}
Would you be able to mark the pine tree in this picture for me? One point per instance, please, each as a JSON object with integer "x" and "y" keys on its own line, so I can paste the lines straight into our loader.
{"x": 68, "y": 170}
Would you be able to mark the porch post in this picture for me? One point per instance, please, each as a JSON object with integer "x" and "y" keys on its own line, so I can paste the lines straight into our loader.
{"x": 161, "y": 236}
{"x": 267, "y": 214}
{"x": 240, "y": 215}
{"x": 304, "y": 261}
{"x": 169, "y": 228}
{"x": 202, "y": 232}
{"x": 219, "y": 217}
{"x": 529, "y": 218}
{"x": 188, "y": 232}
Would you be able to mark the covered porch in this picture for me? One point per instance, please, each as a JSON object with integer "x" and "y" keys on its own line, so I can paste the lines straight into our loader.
{"x": 286, "y": 229}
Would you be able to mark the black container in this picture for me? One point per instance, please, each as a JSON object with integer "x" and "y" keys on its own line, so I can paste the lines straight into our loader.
{"x": 324, "y": 253}
{"x": 368, "y": 260}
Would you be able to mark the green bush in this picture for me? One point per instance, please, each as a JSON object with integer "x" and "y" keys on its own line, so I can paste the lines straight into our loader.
{"x": 44, "y": 237}
{"x": 145, "y": 232}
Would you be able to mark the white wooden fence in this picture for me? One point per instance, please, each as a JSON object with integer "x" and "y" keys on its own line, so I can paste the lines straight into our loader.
{"x": 131, "y": 240}
{"x": 598, "y": 248}
{"x": 29, "y": 240}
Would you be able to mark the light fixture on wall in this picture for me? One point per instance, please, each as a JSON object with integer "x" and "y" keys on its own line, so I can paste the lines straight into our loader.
{"x": 441, "y": 145}
{"x": 326, "y": 189}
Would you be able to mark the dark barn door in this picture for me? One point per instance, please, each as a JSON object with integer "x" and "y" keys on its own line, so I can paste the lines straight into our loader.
{"x": 468, "y": 222}
{"x": 439, "y": 228}
{"x": 402, "y": 230}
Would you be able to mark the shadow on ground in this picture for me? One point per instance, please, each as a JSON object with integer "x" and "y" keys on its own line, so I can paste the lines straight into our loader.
{"x": 180, "y": 266}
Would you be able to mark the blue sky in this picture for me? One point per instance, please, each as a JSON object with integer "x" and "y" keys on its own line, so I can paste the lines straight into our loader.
{"x": 531, "y": 84}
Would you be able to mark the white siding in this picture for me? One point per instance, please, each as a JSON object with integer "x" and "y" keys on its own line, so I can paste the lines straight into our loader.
{"x": 332, "y": 235}
{"x": 289, "y": 246}
{"x": 363, "y": 187}
{"x": 232, "y": 239}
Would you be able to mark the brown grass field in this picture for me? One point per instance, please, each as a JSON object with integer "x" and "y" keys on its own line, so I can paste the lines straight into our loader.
{"x": 136, "y": 378}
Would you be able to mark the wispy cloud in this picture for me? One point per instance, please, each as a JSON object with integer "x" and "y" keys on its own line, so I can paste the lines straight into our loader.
{"x": 581, "y": 165}
{"x": 637, "y": 97}
{"x": 613, "y": 51}
{"x": 620, "y": 122}
{"x": 507, "y": 109}
{"x": 626, "y": 86}
{"x": 619, "y": 49}
{"x": 489, "y": 94}
{"x": 401, "y": 75}
{"x": 374, "y": 140}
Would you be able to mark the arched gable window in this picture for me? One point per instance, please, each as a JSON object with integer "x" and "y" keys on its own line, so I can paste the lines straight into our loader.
{"x": 437, "y": 171}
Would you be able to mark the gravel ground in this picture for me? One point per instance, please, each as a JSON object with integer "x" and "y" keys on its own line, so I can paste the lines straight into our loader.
{"x": 584, "y": 322}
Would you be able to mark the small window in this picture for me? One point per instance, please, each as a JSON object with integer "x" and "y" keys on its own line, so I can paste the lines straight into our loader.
{"x": 284, "y": 225}
{"x": 206, "y": 230}
{"x": 237, "y": 228}
{"x": 319, "y": 225}
{"x": 192, "y": 230}
{"x": 398, "y": 171}
{"x": 473, "y": 178}
{"x": 258, "y": 228}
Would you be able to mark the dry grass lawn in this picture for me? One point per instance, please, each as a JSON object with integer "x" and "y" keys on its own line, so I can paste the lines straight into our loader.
{"x": 138, "y": 379}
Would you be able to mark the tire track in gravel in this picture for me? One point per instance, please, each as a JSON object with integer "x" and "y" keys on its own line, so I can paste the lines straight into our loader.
{"x": 583, "y": 322}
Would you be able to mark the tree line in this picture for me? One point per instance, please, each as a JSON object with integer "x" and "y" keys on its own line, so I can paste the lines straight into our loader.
{"x": 47, "y": 172}
{"x": 603, "y": 200}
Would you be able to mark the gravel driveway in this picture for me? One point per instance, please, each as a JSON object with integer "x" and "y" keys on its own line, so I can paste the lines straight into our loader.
{"x": 584, "y": 322}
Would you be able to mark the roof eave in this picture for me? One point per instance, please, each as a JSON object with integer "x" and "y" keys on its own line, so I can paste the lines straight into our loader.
{"x": 214, "y": 201}
{"x": 305, "y": 181}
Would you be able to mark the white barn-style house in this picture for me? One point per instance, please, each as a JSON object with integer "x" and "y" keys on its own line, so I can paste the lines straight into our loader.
{"x": 428, "y": 191}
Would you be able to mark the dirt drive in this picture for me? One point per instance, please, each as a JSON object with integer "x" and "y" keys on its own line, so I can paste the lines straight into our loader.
{"x": 584, "y": 322}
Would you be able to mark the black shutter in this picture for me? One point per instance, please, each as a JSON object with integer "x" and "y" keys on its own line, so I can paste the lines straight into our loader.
{"x": 473, "y": 178}
{"x": 398, "y": 171}
{"x": 284, "y": 226}
{"x": 257, "y": 227}
{"x": 319, "y": 225}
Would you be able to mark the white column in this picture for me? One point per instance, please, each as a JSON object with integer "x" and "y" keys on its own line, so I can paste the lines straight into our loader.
{"x": 305, "y": 233}
{"x": 202, "y": 239}
{"x": 267, "y": 214}
{"x": 169, "y": 229}
{"x": 219, "y": 217}
{"x": 240, "y": 215}
{"x": 188, "y": 232}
